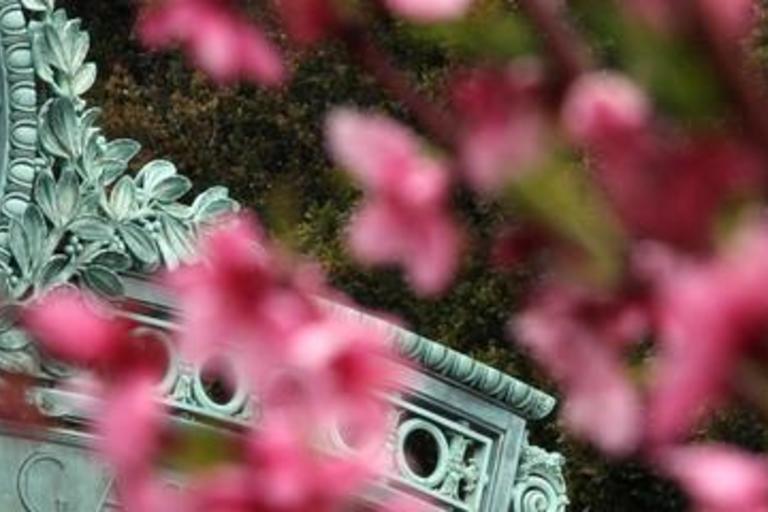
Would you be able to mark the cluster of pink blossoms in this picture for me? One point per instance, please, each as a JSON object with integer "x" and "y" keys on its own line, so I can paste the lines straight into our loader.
{"x": 219, "y": 40}
{"x": 701, "y": 302}
{"x": 312, "y": 370}
{"x": 680, "y": 290}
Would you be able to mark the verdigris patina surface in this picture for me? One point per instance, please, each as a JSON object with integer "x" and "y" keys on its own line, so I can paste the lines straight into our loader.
{"x": 72, "y": 215}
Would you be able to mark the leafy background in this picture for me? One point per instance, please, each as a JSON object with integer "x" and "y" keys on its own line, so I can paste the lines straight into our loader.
{"x": 267, "y": 147}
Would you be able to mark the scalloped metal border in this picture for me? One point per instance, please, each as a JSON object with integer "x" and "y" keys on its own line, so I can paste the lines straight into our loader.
{"x": 523, "y": 399}
{"x": 21, "y": 99}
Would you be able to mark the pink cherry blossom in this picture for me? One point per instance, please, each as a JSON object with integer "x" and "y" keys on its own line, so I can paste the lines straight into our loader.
{"x": 709, "y": 314}
{"x": 603, "y": 105}
{"x": 90, "y": 336}
{"x": 733, "y": 19}
{"x": 240, "y": 292}
{"x": 577, "y": 339}
{"x": 405, "y": 216}
{"x": 719, "y": 478}
{"x": 333, "y": 375}
{"x": 693, "y": 177}
{"x": 307, "y": 21}
{"x": 283, "y": 472}
{"x": 504, "y": 123}
{"x": 288, "y": 474}
{"x": 217, "y": 39}
{"x": 429, "y": 11}
{"x": 128, "y": 426}
{"x": 658, "y": 14}
{"x": 95, "y": 337}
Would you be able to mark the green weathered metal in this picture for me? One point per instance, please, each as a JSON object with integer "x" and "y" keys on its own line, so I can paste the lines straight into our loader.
{"x": 72, "y": 214}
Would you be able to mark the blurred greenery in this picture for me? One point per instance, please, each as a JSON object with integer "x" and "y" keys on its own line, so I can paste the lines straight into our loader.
{"x": 267, "y": 147}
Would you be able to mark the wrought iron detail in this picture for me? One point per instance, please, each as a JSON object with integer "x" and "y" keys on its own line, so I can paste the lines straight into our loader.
{"x": 523, "y": 399}
{"x": 540, "y": 486}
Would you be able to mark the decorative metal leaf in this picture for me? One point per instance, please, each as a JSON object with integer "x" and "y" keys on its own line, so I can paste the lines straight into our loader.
{"x": 153, "y": 173}
{"x": 177, "y": 210}
{"x": 79, "y": 42}
{"x": 74, "y": 192}
{"x": 84, "y": 79}
{"x": 12, "y": 340}
{"x": 35, "y": 229}
{"x": 214, "y": 209}
{"x": 48, "y": 139}
{"x": 53, "y": 272}
{"x": 9, "y": 315}
{"x": 177, "y": 236}
{"x": 37, "y": 5}
{"x": 122, "y": 149}
{"x": 115, "y": 260}
{"x": 56, "y": 52}
{"x": 139, "y": 242}
{"x": 60, "y": 128}
{"x": 92, "y": 227}
{"x": 170, "y": 189}
{"x": 68, "y": 195}
{"x": 45, "y": 195}
{"x": 40, "y": 53}
{"x": 102, "y": 280}
{"x": 213, "y": 202}
{"x": 122, "y": 201}
{"x": 19, "y": 246}
{"x": 117, "y": 154}
{"x": 170, "y": 257}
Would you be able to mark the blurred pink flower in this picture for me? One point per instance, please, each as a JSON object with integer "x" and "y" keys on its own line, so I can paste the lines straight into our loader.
{"x": 334, "y": 374}
{"x": 719, "y": 478}
{"x": 240, "y": 292}
{"x": 405, "y": 217}
{"x": 732, "y": 19}
{"x": 284, "y": 471}
{"x": 75, "y": 330}
{"x": 709, "y": 315}
{"x": 288, "y": 473}
{"x": 504, "y": 123}
{"x": 692, "y": 177}
{"x": 307, "y": 21}
{"x": 578, "y": 339}
{"x": 216, "y": 38}
{"x": 94, "y": 337}
{"x": 128, "y": 426}
{"x": 604, "y": 105}
{"x": 429, "y": 11}
{"x": 658, "y": 14}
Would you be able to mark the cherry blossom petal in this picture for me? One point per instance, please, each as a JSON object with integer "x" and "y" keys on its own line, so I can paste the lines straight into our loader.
{"x": 504, "y": 123}
{"x": 405, "y": 217}
{"x": 709, "y": 314}
{"x": 217, "y": 39}
{"x": 429, "y": 11}
{"x": 732, "y": 20}
{"x": 604, "y": 104}
{"x": 307, "y": 21}
{"x": 720, "y": 478}
{"x": 582, "y": 356}
{"x": 73, "y": 329}
{"x": 128, "y": 426}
